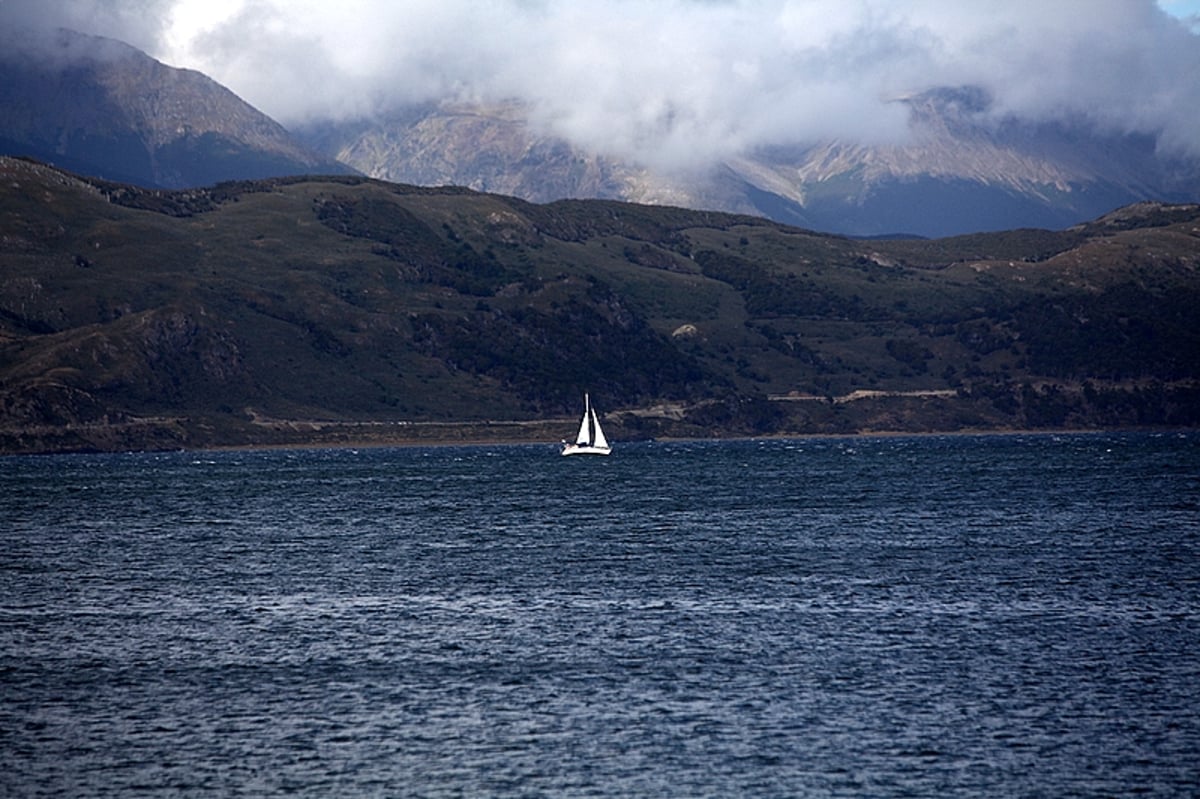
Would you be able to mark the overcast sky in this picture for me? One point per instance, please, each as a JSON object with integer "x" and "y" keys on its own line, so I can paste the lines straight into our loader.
{"x": 672, "y": 81}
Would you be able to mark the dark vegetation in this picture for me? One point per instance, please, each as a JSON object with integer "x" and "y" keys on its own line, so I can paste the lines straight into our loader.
{"x": 311, "y": 310}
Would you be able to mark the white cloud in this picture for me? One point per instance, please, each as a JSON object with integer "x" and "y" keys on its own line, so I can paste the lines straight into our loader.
{"x": 682, "y": 81}
{"x": 136, "y": 22}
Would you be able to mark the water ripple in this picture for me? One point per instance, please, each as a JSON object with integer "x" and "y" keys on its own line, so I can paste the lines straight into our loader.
{"x": 957, "y": 616}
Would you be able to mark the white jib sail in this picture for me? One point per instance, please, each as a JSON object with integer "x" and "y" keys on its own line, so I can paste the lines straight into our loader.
{"x": 600, "y": 441}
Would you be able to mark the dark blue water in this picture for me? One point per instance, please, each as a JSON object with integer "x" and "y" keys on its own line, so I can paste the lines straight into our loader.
{"x": 958, "y": 616}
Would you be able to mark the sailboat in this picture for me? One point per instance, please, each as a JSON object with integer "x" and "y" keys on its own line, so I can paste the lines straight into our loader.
{"x": 590, "y": 440}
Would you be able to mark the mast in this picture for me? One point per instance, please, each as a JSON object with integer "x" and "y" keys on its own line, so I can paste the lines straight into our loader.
{"x": 584, "y": 437}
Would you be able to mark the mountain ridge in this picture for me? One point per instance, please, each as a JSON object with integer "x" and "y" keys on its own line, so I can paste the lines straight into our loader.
{"x": 963, "y": 169}
{"x": 102, "y": 107}
{"x": 98, "y": 106}
{"x": 324, "y": 310}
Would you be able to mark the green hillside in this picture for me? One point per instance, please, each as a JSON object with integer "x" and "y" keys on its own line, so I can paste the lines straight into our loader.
{"x": 341, "y": 309}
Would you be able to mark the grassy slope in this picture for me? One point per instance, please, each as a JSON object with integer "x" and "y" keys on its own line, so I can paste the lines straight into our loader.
{"x": 132, "y": 318}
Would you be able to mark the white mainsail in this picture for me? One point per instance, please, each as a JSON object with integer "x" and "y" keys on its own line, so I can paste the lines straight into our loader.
{"x": 584, "y": 438}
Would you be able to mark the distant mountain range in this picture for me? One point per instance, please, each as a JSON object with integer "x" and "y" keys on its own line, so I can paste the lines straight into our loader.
{"x": 99, "y": 107}
{"x": 962, "y": 171}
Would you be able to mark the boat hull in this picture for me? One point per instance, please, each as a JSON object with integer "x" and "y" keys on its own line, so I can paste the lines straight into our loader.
{"x": 585, "y": 449}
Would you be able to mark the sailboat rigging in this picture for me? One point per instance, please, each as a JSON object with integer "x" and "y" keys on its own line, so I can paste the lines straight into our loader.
{"x": 590, "y": 440}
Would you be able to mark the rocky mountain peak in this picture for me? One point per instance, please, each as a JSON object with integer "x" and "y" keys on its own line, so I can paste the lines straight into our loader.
{"x": 106, "y": 108}
{"x": 963, "y": 168}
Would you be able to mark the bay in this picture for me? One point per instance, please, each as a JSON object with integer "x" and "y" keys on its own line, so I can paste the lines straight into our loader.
{"x": 893, "y": 616}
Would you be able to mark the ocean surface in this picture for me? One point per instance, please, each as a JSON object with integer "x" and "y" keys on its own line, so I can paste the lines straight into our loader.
{"x": 953, "y": 616}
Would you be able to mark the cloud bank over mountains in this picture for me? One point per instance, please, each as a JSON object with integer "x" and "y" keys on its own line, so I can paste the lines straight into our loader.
{"x": 676, "y": 84}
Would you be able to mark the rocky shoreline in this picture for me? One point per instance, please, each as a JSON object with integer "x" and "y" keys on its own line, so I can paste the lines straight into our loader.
{"x": 877, "y": 416}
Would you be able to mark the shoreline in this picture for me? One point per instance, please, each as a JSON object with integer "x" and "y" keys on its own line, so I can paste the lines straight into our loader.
{"x": 468, "y": 441}
{"x": 554, "y": 446}
{"x": 867, "y": 414}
